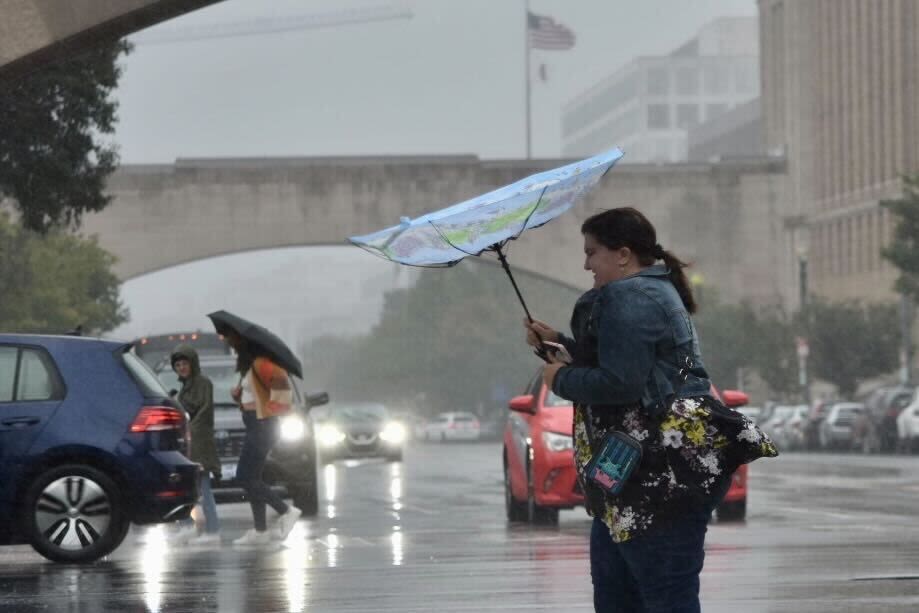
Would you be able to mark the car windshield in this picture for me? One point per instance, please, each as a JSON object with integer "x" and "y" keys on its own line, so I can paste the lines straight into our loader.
{"x": 222, "y": 375}
{"x": 361, "y": 412}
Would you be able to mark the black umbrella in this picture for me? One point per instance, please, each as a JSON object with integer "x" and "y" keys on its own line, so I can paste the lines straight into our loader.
{"x": 262, "y": 340}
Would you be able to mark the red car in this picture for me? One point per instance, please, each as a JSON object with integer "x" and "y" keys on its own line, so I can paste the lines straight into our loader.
{"x": 539, "y": 473}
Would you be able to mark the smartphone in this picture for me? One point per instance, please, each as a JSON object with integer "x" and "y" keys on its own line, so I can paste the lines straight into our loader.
{"x": 559, "y": 351}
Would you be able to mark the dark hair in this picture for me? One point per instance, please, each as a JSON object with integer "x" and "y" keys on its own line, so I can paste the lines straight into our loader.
{"x": 244, "y": 358}
{"x": 627, "y": 227}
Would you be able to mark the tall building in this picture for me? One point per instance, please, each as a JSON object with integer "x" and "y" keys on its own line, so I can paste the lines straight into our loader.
{"x": 647, "y": 106}
{"x": 840, "y": 82}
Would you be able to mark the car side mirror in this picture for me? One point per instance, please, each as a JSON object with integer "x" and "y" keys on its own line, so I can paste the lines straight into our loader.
{"x": 316, "y": 400}
{"x": 734, "y": 398}
{"x": 173, "y": 393}
{"x": 524, "y": 404}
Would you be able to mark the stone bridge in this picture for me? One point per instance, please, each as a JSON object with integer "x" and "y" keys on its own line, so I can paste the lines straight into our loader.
{"x": 34, "y": 32}
{"x": 727, "y": 218}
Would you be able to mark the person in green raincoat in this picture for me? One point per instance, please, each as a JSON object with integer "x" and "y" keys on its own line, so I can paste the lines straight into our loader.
{"x": 197, "y": 397}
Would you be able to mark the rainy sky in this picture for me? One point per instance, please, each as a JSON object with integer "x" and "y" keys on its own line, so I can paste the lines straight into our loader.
{"x": 448, "y": 80}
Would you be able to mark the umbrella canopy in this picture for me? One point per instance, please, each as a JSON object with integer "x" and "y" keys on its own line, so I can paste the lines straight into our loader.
{"x": 265, "y": 341}
{"x": 489, "y": 221}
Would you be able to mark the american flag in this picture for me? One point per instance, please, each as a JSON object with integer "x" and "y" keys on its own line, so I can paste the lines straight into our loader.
{"x": 544, "y": 33}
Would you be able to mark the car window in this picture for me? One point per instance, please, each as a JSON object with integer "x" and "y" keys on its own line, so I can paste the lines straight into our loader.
{"x": 224, "y": 378}
{"x": 555, "y": 401}
{"x": 150, "y": 385}
{"x": 359, "y": 412}
{"x": 35, "y": 379}
{"x": 7, "y": 372}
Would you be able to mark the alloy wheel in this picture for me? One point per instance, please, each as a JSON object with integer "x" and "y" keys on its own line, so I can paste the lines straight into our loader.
{"x": 73, "y": 512}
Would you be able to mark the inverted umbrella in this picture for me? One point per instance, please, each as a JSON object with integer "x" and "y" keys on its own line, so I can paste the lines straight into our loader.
{"x": 489, "y": 221}
{"x": 263, "y": 339}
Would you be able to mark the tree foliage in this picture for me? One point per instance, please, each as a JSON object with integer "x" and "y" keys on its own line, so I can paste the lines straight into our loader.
{"x": 56, "y": 282}
{"x": 851, "y": 342}
{"x": 454, "y": 341}
{"x": 903, "y": 251}
{"x": 52, "y": 163}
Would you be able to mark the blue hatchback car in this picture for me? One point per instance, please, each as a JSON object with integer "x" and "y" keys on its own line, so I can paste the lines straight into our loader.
{"x": 89, "y": 442}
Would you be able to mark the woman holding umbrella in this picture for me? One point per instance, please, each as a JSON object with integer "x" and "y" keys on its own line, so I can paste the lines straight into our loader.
{"x": 263, "y": 395}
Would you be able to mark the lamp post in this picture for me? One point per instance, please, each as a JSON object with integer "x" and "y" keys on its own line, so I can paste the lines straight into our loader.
{"x": 801, "y": 342}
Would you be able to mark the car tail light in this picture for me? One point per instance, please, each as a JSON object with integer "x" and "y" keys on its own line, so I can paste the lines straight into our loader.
{"x": 157, "y": 419}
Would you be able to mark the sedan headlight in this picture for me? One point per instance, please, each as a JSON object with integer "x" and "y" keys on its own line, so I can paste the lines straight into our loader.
{"x": 329, "y": 436}
{"x": 557, "y": 442}
{"x": 292, "y": 428}
{"x": 393, "y": 433}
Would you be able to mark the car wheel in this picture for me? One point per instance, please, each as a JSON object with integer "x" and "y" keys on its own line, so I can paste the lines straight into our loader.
{"x": 537, "y": 514}
{"x": 516, "y": 511}
{"x": 735, "y": 510}
{"x": 75, "y": 514}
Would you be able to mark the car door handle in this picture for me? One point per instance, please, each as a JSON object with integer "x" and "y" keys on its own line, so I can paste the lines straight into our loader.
{"x": 20, "y": 422}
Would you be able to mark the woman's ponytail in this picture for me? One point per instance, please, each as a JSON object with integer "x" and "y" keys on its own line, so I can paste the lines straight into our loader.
{"x": 677, "y": 277}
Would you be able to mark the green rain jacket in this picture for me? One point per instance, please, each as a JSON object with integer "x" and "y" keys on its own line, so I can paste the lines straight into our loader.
{"x": 197, "y": 397}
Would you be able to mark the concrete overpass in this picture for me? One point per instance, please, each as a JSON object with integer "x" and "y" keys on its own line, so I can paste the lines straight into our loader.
{"x": 726, "y": 217}
{"x": 35, "y": 32}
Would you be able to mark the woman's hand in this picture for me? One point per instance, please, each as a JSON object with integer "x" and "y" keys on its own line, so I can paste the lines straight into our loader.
{"x": 236, "y": 393}
{"x": 537, "y": 332}
{"x": 551, "y": 369}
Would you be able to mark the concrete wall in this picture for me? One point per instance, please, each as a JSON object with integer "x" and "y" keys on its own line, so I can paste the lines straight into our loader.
{"x": 726, "y": 218}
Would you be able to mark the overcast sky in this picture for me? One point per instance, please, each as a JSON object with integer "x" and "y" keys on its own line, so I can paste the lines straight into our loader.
{"x": 448, "y": 80}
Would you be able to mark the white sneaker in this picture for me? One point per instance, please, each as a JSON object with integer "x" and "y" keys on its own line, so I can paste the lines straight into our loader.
{"x": 206, "y": 538}
{"x": 253, "y": 537}
{"x": 182, "y": 535}
{"x": 286, "y": 522}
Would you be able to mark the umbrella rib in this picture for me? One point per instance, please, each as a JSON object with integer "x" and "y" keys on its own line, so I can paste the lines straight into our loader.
{"x": 447, "y": 240}
{"x": 533, "y": 212}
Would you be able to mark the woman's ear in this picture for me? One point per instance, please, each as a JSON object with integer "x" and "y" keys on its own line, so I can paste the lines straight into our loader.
{"x": 623, "y": 256}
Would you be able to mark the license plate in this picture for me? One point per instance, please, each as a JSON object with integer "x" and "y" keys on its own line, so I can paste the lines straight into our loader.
{"x": 228, "y": 472}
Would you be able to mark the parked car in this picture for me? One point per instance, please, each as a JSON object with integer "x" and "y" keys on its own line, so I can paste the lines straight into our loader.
{"x": 753, "y": 413}
{"x": 774, "y": 426}
{"x": 793, "y": 429}
{"x": 89, "y": 443}
{"x": 292, "y": 467}
{"x": 875, "y": 429}
{"x": 836, "y": 430}
{"x": 455, "y": 426}
{"x": 908, "y": 426}
{"x": 815, "y": 417}
{"x": 360, "y": 430}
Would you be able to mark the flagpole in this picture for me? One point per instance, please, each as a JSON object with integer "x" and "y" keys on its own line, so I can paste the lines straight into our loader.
{"x": 526, "y": 42}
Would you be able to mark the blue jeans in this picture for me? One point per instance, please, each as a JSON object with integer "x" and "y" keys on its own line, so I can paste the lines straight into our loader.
{"x": 651, "y": 573}
{"x": 261, "y": 436}
{"x": 208, "y": 505}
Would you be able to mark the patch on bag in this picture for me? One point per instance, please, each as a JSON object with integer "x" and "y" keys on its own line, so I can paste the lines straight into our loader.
{"x": 611, "y": 466}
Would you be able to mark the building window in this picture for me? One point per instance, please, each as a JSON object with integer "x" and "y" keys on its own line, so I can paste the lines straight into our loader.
{"x": 715, "y": 110}
{"x": 717, "y": 79}
{"x": 658, "y": 81}
{"x": 687, "y": 81}
{"x": 658, "y": 116}
{"x": 687, "y": 115}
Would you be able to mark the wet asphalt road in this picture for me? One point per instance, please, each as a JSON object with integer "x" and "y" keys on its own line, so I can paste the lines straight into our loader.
{"x": 824, "y": 533}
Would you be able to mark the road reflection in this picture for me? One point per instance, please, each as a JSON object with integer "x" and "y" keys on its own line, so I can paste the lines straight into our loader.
{"x": 152, "y": 564}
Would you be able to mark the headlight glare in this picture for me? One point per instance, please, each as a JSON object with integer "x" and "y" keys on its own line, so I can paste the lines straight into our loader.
{"x": 394, "y": 432}
{"x": 329, "y": 435}
{"x": 292, "y": 428}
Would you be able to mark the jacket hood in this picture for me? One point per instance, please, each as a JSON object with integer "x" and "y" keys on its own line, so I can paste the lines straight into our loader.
{"x": 186, "y": 352}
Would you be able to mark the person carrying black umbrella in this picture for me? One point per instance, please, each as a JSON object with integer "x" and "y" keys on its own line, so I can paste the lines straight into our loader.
{"x": 264, "y": 395}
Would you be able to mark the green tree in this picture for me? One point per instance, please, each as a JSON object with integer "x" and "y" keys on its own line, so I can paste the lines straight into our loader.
{"x": 454, "y": 339}
{"x": 53, "y": 163}
{"x": 851, "y": 342}
{"x": 728, "y": 336}
{"x": 55, "y": 282}
{"x": 903, "y": 251}
{"x": 775, "y": 354}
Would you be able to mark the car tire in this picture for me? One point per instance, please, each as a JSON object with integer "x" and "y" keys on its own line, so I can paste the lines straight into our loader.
{"x": 75, "y": 514}
{"x": 516, "y": 511}
{"x": 736, "y": 510}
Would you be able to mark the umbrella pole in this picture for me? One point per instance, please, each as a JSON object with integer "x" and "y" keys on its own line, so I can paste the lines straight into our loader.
{"x": 507, "y": 269}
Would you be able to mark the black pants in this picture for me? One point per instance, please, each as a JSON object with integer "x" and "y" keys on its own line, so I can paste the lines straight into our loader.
{"x": 261, "y": 436}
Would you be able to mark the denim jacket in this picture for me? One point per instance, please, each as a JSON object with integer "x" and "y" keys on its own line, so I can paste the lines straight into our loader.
{"x": 643, "y": 335}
